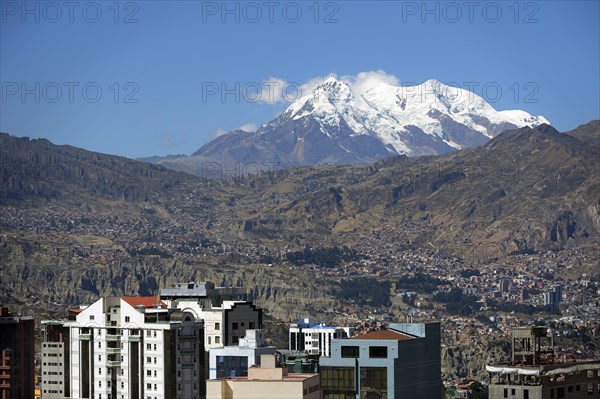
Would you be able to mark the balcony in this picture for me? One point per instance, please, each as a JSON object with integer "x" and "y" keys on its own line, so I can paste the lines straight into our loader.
{"x": 188, "y": 351}
{"x": 134, "y": 338}
{"x": 113, "y": 363}
{"x": 112, "y": 337}
{"x": 85, "y": 337}
{"x": 188, "y": 338}
{"x": 188, "y": 364}
{"x": 115, "y": 351}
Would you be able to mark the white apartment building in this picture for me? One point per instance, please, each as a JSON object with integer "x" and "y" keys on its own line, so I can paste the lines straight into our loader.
{"x": 314, "y": 338}
{"x": 131, "y": 348}
{"x": 226, "y": 320}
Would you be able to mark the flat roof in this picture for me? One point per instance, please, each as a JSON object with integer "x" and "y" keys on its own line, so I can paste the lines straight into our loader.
{"x": 287, "y": 378}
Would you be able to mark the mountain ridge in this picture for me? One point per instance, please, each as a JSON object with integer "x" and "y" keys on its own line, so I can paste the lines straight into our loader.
{"x": 338, "y": 124}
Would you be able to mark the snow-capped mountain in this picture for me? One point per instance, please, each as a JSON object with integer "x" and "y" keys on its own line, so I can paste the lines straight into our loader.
{"x": 336, "y": 123}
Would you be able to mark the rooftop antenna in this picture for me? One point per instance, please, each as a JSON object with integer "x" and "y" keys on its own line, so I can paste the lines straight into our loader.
{"x": 410, "y": 312}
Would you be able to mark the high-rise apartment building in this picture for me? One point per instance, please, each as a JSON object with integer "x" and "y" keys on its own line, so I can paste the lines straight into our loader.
{"x": 125, "y": 348}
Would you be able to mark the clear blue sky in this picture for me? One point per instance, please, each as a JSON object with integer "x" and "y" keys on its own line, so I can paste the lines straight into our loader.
{"x": 543, "y": 55}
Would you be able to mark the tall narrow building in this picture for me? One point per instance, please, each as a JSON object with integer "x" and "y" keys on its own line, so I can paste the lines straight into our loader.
{"x": 17, "y": 371}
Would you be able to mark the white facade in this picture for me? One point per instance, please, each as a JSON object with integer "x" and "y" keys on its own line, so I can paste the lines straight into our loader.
{"x": 134, "y": 347}
{"x": 223, "y": 325}
{"x": 315, "y": 339}
{"x": 234, "y": 361}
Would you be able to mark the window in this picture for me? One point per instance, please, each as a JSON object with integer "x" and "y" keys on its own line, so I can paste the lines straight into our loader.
{"x": 338, "y": 382}
{"x": 99, "y": 345}
{"x": 92, "y": 317}
{"x": 525, "y": 393}
{"x": 570, "y": 388}
{"x": 506, "y": 392}
{"x": 373, "y": 379}
{"x": 350, "y": 351}
{"x": 148, "y": 359}
{"x": 378, "y": 352}
{"x": 209, "y": 339}
{"x": 217, "y": 326}
{"x": 148, "y": 346}
{"x": 127, "y": 319}
{"x": 148, "y": 333}
{"x": 99, "y": 358}
{"x": 154, "y": 346}
{"x": 235, "y": 339}
{"x": 591, "y": 388}
{"x": 512, "y": 392}
{"x": 217, "y": 340}
{"x": 234, "y": 326}
{"x": 149, "y": 373}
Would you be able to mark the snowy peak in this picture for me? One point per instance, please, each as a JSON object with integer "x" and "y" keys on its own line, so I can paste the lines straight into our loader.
{"x": 367, "y": 118}
{"x": 394, "y": 114}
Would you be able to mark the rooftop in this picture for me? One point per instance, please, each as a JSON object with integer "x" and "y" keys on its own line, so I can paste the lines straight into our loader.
{"x": 286, "y": 378}
{"x": 145, "y": 301}
{"x": 385, "y": 335}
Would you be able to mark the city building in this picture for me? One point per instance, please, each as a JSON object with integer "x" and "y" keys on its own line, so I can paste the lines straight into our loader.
{"x": 265, "y": 382}
{"x": 17, "y": 370}
{"x": 554, "y": 296}
{"x": 234, "y": 361}
{"x": 314, "y": 338}
{"x": 227, "y": 312}
{"x": 400, "y": 362}
{"x": 535, "y": 373}
{"x": 55, "y": 360}
{"x": 126, "y": 348}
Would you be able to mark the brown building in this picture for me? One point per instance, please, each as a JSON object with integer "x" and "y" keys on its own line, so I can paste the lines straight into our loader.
{"x": 17, "y": 370}
{"x": 534, "y": 373}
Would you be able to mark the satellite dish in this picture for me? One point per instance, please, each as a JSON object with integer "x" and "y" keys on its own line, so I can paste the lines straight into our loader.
{"x": 410, "y": 312}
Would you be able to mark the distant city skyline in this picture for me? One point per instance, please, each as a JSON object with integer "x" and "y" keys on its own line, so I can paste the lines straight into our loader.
{"x": 155, "y": 78}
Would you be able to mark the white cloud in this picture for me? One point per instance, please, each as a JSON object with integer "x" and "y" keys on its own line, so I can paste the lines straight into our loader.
{"x": 276, "y": 90}
{"x": 273, "y": 90}
{"x": 167, "y": 140}
{"x": 367, "y": 80}
{"x": 218, "y": 132}
{"x": 248, "y": 127}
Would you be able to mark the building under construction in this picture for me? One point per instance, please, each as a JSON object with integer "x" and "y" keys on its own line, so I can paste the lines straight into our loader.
{"x": 535, "y": 373}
